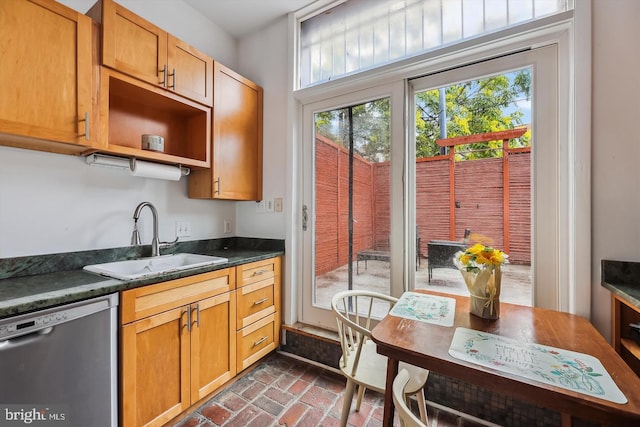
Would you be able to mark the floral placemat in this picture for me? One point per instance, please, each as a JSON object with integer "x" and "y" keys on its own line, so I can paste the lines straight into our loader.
{"x": 562, "y": 368}
{"x": 425, "y": 308}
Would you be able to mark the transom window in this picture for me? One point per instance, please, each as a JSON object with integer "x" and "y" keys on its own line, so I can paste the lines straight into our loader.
{"x": 356, "y": 35}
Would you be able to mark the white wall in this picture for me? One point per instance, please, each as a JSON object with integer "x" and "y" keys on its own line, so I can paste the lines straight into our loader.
{"x": 53, "y": 203}
{"x": 56, "y": 203}
{"x": 263, "y": 59}
{"x": 616, "y": 144}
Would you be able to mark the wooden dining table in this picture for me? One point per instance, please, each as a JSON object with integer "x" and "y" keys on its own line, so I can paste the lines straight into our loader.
{"x": 427, "y": 345}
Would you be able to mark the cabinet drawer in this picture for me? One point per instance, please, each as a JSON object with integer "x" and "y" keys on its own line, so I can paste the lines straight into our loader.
{"x": 257, "y": 340}
{"x": 152, "y": 299}
{"x": 258, "y": 271}
{"x": 255, "y": 301}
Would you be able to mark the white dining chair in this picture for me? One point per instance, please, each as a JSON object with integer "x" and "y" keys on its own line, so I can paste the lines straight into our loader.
{"x": 360, "y": 363}
{"x": 407, "y": 417}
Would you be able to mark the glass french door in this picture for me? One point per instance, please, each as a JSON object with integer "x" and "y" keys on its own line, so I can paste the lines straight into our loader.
{"x": 349, "y": 241}
{"x": 486, "y": 152}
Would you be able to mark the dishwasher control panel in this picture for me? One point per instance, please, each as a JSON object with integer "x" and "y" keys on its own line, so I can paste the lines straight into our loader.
{"x": 42, "y": 321}
{"x": 26, "y": 326}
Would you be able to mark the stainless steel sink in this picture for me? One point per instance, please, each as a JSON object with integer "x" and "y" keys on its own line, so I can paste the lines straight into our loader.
{"x": 153, "y": 266}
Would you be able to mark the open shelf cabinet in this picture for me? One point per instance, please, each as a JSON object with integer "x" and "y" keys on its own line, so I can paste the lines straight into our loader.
{"x": 130, "y": 108}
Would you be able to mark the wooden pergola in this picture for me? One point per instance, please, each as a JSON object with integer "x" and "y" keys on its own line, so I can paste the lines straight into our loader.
{"x": 503, "y": 136}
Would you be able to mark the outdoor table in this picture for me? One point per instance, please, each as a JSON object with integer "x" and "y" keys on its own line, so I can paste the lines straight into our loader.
{"x": 427, "y": 345}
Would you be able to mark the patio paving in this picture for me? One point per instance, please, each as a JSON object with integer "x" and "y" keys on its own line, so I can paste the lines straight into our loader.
{"x": 516, "y": 281}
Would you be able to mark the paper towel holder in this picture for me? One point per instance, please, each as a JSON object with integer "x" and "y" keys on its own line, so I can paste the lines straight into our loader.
{"x": 123, "y": 163}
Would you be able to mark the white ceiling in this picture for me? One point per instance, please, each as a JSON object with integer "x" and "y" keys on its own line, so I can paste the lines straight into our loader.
{"x": 242, "y": 17}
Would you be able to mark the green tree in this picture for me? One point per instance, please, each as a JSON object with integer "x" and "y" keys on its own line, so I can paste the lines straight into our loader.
{"x": 477, "y": 106}
{"x": 473, "y": 107}
{"x": 370, "y": 124}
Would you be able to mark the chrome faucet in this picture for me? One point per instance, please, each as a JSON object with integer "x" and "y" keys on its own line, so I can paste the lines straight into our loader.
{"x": 155, "y": 242}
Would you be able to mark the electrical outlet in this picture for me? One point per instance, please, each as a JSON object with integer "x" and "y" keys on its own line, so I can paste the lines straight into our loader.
{"x": 269, "y": 206}
{"x": 277, "y": 204}
{"x": 183, "y": 229}
{"x": 261, "y": 206}
{"x": 227, "y": 226}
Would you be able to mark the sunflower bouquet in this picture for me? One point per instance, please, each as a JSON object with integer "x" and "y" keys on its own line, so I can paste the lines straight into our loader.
{"x": 480, "y": 267}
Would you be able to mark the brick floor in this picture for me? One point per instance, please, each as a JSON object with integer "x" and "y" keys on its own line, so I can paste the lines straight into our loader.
{"x": 283, "y": 391}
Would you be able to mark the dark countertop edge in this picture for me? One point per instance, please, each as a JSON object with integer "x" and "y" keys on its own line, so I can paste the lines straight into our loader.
{"x": 40, "y": 291}
{"x": 622, "y": 278}
{"x": 68, "y": 261}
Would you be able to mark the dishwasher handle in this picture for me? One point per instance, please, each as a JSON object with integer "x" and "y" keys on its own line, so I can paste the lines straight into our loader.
{"x": 27, "y": 338}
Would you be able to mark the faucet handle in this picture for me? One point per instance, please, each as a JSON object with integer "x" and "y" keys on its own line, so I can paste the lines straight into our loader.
{"x": 167, "y": 244}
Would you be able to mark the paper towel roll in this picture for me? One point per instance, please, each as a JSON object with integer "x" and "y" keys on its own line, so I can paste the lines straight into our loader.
{"x": 155, "y": 170}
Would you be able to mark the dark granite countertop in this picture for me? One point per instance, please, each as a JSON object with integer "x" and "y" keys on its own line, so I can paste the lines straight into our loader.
{"x": 622, "y": 278}
{"x": 36, "y": 282}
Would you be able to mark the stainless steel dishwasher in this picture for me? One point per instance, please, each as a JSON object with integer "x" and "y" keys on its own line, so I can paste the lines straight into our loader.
{"x": 58, "y": 367}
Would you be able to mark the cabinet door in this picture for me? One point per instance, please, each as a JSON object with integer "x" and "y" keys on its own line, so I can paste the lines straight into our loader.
{"x": 236, "y": 172}
{"x": 213, "y": 344}
{"x": 133, "y": 45}
{"x": 45, "y": 77}
{"x": 237, "y": 136}
{"x": 155, "y": 368}
{"x": 190, "y": 71}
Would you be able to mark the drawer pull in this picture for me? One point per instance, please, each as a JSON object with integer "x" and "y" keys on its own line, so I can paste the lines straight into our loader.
{"x": 260, "y": 272}
{"x": 260, "y": 301}
{"x": 260, "y": 341}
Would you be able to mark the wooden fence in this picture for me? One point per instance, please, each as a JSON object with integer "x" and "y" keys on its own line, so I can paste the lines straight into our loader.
{"x": 450, "y": 197}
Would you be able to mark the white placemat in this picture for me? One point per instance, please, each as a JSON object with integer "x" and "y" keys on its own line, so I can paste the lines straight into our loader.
{"x": 425, "y": 308}
{"x": 562, "y": 368}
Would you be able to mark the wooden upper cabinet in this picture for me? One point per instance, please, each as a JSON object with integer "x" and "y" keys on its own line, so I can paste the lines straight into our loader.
{"x": 45, "y": 76}
{"x": 236, "y": 172}
{"x": 190, "y": 72}
{"x": 134, "y": 46}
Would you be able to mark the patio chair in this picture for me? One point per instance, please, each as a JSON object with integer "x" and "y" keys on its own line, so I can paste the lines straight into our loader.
{"x": 360, "y": 363}
{"x": 407, "y": 417}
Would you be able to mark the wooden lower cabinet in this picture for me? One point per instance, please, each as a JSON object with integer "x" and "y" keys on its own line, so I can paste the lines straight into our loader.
{"x": 212, "y": 344}
{"x": 624, "y": 313}
{"x": 258, "y": 310}
{"x": 155, "y": 369}
{"x": 183, "y": 339}
{"x": 172, "y": 359}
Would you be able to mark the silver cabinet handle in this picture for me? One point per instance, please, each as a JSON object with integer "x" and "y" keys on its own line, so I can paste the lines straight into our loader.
{"x": 164, "y": 76}
{"x": 188, "y": 311}
{"x": 260, "y": 272}
{"x": 260, "y": 301}
{"x": 173, "y": 86}
{"x": 217, "y": 182}
{"x": 86, "y": 126}
{"x": 198, "y": 315}
{"x": 260, "y": 341}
